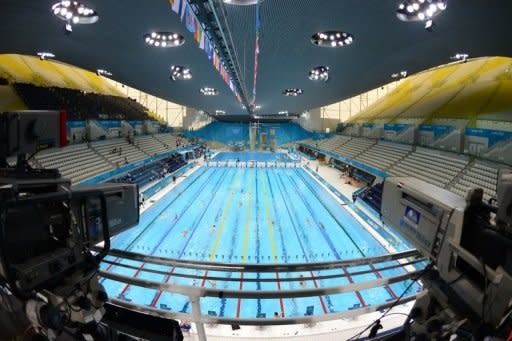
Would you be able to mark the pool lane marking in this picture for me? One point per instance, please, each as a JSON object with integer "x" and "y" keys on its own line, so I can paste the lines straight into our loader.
{"x": 130, "y": 244}
{"x": 278, "y": 219}
{"x": 257, "y": 239}
{"x": 164, "y": 237}
{"x": 270, "y": 222}
{"x": 225, "y": 215}
{"x": 279, "y": 181}
{"x": 195, "y": 228}
{"x": 389, "y": 289}
{"x": 364, "y": 219}
{"x": 245, "y": 246}
{"x": 323, "y": 232}
{"x": 150, "y": 223}
{"x": 372, "y": 267}
{"x": 272, "y": 241}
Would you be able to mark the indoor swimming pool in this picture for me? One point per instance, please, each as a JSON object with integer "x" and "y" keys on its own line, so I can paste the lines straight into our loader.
{"x": 251, "y": 216}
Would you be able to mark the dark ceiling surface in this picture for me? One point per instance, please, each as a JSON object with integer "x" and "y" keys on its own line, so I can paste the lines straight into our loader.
{"x": 382, "y": 45}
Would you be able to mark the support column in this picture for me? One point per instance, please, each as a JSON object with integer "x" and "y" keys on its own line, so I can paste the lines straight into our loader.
{"x": 196, "y": 313}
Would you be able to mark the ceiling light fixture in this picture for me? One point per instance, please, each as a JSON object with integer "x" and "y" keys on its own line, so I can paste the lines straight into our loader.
{"x": 164, "y": 39}
{"x": 420, "y": 10}
{"x": 319, "y": 73}
{"x": 103, "y": 72}
{"x": 293, "y": 92}
{"x": 284, "y": 112}
{"x": 332, "y": 39}
{"x": 45, "y": 55}
{"x": 179, "y": 72}
{"x": 74, "y": 13}
{"x": 460, "y": 56}
{"x": 399, "y": 75}
{"x": 241, "y": 2}
{"x": 206, "y": 91}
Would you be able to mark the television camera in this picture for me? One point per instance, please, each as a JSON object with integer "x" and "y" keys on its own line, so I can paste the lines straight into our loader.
{"x": 469, "y": 243}
{"x": 48, "y": 229}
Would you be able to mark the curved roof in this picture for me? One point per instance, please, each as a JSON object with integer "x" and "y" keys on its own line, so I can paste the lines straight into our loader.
{"x": 383, "y": 45}
{"x": 478, "y": 88}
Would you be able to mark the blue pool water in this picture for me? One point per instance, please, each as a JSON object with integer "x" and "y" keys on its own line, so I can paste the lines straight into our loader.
{"x": 251, "y": 156}
{"x": 251, "y": 215}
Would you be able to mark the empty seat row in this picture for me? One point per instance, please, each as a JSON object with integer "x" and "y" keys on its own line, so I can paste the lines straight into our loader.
{"x": 480, "y": 176}
{"x": 150, "y": 145}
{"x": 418, "y": 173}
{"x": 438, "y": 156}
{"x": 118, "y": 150}
{"x": 74, "y": 162}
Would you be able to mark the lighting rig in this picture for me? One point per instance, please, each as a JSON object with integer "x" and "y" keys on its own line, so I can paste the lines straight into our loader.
{"x": 74, "y": 13}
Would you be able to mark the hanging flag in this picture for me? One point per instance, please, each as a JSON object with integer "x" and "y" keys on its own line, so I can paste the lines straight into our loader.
{"x": 256, "y": 52}
{"x": 176, "y": 5}
{"x": 216, "y": 61}
{"x": 190, "y": 19}
{"x": 202, "y": 41}
{"x": 208, "y": 49}
{"x": 193, "y": 25}
{"x": 183, "y": 9}
{"x": 198, "y": 33}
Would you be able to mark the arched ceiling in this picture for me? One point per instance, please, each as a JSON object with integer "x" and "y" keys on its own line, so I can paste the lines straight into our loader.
{"x": 383, "y": 45}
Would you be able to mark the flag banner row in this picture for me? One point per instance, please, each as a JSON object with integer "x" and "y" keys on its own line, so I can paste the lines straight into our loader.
{"x": 186, "y": 14}
{"x": 256, "y": 53}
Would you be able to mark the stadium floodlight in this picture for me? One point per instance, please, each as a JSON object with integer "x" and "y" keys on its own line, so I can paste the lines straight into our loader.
{"x": 45, "y": 55}
{"x": 319, "y": 73}
{"x": 164, "y": 39}
{"x": 293, "y": 92}
{"x": 179, "y": 72}
{"x": 460, "y": 56}
{"x": 74, "y": 13}
{"x": 103, "y": 72}
{"x": 420, "y": 10}
{"x": 399, "y": 75}
{"x": 332, "y": 39}
{"x": 241, "y": 2}
{"x": 207, "y": 91}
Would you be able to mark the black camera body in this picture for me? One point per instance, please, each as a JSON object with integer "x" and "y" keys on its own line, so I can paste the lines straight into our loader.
{"x": 44, "y": 236}
{"x": 48, "y": 228}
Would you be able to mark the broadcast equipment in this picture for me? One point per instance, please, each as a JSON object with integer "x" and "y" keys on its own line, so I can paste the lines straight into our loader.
{"x": 469, "y": 289}
{"x": 48, "y": 228}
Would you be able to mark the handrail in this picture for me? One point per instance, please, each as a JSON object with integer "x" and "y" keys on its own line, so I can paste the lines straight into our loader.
{"x": 261, "y": 321}
{"x": 259, "y": 294}
{"x": 287, "y": 279}
{"x": 242, "y": 267}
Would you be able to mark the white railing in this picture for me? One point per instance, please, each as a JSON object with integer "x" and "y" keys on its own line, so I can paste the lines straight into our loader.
{"x": 401, "y": 260}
